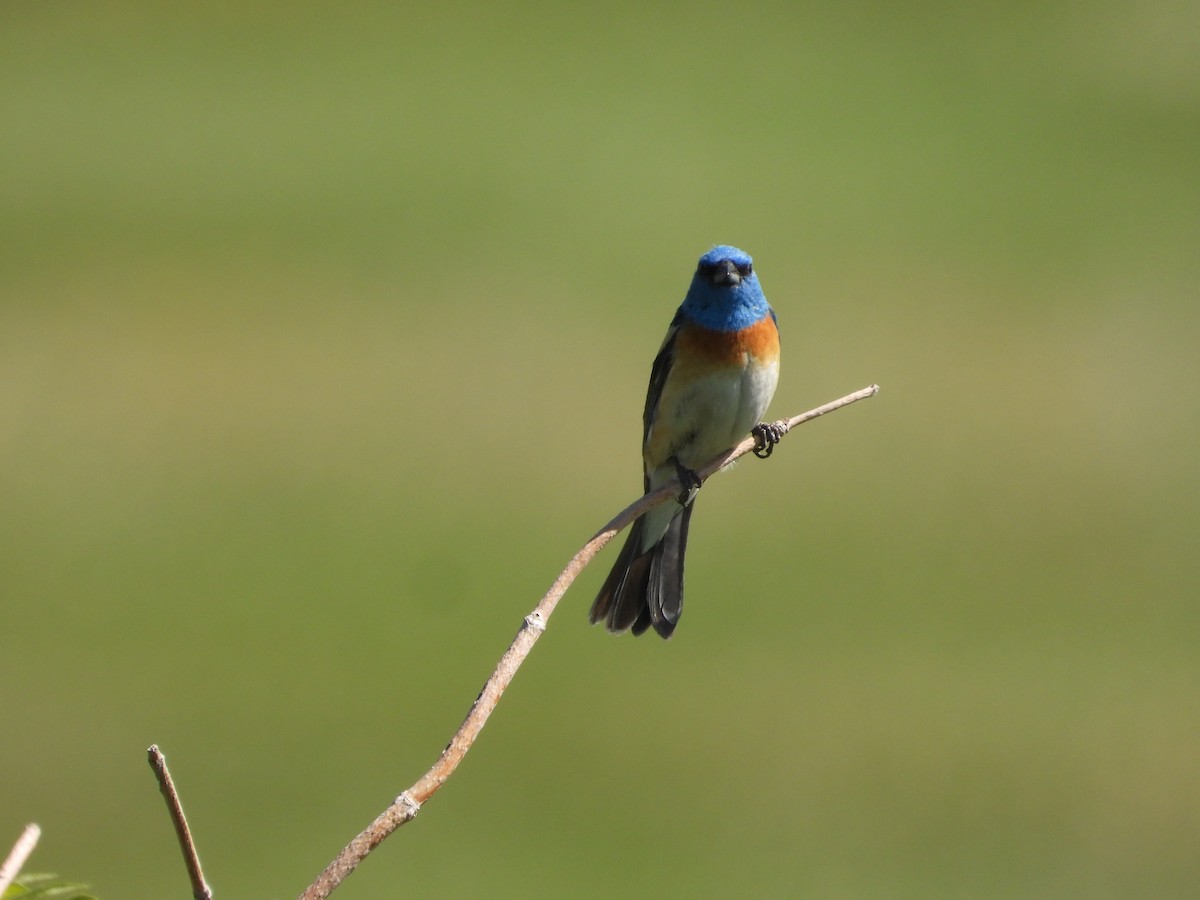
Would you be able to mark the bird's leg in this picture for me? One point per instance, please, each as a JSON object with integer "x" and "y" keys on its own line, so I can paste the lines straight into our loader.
{"x": 689, "y": 479}
{"x": 766, "y": 436}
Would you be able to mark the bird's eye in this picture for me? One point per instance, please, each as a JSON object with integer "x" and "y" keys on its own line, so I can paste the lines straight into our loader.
{"x": 745, "y": 269}
{"x": 707, "y": 269}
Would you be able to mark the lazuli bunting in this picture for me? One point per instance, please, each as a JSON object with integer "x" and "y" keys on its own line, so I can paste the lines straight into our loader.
{"x": 711, "y": 382}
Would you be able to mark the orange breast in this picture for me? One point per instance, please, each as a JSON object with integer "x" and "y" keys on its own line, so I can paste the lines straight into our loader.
{"x": 729, "y": 348}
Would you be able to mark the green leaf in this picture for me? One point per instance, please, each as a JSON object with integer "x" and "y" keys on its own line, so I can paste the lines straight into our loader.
{"x": 39, "y": 886}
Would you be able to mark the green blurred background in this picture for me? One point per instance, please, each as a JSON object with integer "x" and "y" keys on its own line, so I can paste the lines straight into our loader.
{"x": 324, "y": 334}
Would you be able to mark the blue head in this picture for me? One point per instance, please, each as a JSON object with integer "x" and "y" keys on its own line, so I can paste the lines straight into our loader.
{"x": 725, "y": 294}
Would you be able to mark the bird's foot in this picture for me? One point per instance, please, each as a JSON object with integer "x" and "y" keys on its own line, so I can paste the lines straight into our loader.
{"x": 766, "y": 436}
{"x": 691, "y": 483}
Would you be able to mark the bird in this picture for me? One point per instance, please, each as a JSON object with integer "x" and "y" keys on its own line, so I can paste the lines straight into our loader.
{"x": 710, "y": 383}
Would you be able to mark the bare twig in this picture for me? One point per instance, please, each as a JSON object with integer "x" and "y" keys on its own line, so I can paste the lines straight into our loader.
{"x": 15, "y": 861}
{"x": 158, "y": 762}
{"x": 406, "y": 806}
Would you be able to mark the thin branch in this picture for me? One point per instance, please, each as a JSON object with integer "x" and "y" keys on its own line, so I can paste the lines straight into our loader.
{"x": 15, "y": 861}
{"x": 406, "y": 806}
{"x": 158, "y": 762}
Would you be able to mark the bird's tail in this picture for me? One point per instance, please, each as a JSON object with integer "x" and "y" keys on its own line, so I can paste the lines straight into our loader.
{"x": 645, "y": 587}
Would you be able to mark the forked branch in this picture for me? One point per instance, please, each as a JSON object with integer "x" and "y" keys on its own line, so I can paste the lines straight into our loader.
{"x": 408, "y": 804}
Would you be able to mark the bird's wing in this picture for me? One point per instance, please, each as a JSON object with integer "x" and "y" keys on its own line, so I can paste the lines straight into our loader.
{"x": 658, "y": 377}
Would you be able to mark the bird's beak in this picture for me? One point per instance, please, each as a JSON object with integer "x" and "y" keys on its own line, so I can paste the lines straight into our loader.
{"x": 727, "y": 273}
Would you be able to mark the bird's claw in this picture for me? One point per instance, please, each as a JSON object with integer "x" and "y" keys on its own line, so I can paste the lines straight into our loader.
{"x": 766, "y": 436}
{"x": 691, "y": 483}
